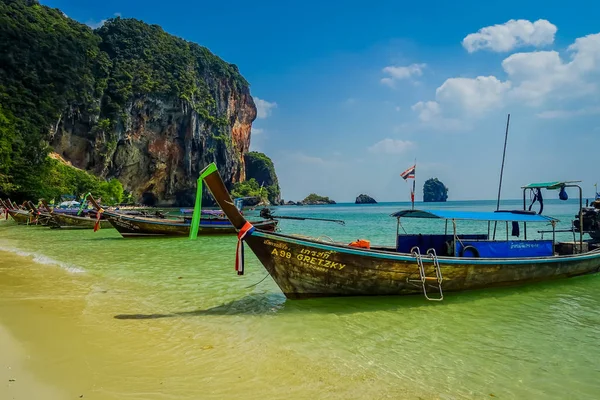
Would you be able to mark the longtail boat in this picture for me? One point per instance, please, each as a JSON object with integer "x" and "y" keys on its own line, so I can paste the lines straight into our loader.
{"x": 212, "y": 223}
{"x": 75, "y": 218}
{"x": 418, "y": 264}
{"x": 67, "y": 221}
{"x": 21, "y": 217}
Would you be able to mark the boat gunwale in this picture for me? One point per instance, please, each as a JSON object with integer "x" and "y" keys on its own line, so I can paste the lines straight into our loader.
{"x": 372, "y": 253}
{"x": 170, "y": 222}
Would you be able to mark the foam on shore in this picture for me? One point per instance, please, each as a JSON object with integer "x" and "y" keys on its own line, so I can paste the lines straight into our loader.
{"x": 42, "y": 259}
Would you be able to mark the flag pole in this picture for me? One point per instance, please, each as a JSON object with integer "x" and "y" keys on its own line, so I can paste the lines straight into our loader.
{"x": 412, "y": 194}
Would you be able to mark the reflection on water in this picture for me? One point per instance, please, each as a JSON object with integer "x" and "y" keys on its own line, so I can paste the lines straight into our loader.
{"x": 173, "y": 311}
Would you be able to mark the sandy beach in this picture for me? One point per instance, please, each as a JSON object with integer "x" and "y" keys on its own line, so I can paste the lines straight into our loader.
{"x": 67, "y": 335}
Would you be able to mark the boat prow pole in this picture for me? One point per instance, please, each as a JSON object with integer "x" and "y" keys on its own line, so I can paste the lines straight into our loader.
{"x": 94, "y": 202}
{"x": 210, "y": 175}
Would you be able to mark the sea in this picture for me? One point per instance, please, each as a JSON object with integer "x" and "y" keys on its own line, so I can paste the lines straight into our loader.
{"x": 168, "y": 318}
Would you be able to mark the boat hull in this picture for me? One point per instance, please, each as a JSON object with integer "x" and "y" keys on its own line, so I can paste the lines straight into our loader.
{"x": 66, "y": 221}
{"x": 129, "y": 226}
{"x": 20, "y": 217}
{"x": 306, "y": 268}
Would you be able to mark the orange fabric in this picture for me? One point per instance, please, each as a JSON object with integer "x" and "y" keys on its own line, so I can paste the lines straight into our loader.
{"x": 363, "y": 243}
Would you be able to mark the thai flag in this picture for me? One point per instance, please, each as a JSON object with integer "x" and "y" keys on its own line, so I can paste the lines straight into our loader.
{"x": 409, "y": 173}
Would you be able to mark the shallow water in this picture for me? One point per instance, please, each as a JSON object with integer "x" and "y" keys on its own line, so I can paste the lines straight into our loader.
{"x": 168, "y": 318}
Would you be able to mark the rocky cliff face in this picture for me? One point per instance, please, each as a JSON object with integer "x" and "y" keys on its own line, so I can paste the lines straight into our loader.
{"x": 161, "y": 146}
{"x": 155, "y": 124}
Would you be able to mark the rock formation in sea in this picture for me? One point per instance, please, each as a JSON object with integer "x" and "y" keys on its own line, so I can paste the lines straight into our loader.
{"x": 126, "y": 101}
{"x": 365, "y": 199}
{"x": 315, "y": 199}
{"x": 434, "y": 191}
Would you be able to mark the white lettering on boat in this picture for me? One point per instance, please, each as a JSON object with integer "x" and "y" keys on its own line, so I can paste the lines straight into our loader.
{"x": 276, "y": 244}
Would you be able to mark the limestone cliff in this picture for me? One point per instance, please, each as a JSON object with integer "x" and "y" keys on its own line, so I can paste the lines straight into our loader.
{"x": 261, "y": 168}
{"x": 160, "y": 110}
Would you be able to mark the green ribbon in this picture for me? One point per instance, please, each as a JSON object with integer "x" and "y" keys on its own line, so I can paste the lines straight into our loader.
{"x": 83, "y": 203}
{"x": 198, "y": 206}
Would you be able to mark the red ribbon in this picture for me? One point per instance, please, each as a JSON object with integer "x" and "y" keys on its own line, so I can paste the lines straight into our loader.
{"x": 246, "y": 230}
{"x": 97, "y": 224}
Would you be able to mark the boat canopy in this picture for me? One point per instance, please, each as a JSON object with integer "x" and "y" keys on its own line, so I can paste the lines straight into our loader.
{"x": 498, "y": 216}
{"x": 549, "y": 185}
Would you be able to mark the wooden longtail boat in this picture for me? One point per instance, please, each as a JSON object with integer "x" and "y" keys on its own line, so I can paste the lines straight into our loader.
{"x": 136, "y": 226}
{"x": 67, "y": 221}
{"x": 305, "y": 268}
{"x": 21, "y": 217}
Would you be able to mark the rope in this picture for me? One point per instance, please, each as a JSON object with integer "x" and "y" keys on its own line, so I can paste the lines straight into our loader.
{"x": 257, "y": 283}
{"x": 401, "y": 226}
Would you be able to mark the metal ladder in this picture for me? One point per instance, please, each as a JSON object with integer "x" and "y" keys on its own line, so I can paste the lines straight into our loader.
{"x": 429, "y": 281}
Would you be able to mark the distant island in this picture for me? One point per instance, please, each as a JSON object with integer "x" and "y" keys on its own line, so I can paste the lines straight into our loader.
{"x": 434, "y": 191}
{"x": 315, "y": 199}
{"x": 365, "y": 199}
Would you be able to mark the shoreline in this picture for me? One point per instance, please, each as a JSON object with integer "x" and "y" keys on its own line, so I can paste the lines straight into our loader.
{"x": 75, "y": 334}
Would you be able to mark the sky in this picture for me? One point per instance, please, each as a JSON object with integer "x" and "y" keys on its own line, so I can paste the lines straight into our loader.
{"x": 350, "y": 93}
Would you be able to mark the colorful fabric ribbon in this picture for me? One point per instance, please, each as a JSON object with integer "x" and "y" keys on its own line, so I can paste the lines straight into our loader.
{"x": 98, "y": 215}
{"x": 246, "y": 230}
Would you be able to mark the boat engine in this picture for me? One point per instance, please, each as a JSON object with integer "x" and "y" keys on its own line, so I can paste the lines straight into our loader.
{"x": 591, "y": 222}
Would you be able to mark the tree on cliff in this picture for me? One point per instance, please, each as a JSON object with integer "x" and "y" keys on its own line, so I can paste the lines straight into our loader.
{"x": 261, "y": 168}
{"x": 434, "y": 191}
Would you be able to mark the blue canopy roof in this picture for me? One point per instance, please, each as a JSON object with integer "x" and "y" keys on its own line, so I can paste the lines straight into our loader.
{"x": 498, "y": 216}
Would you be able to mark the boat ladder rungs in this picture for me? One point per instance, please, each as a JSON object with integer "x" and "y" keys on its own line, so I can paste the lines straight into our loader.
{"x": 433, "y": 282}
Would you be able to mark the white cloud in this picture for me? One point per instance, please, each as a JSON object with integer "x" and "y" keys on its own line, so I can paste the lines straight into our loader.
{"x": 510, "y": 35}
{"x": 397, "y": 73}
{"x": 257, "y": 131}
{"x": 554, "y": 114}
{"x": 533, "y": 78}
{"x": 263, "y": 108}
{"x": 474, "y": 95}
{"x": 539, "y": 75}
{"x": 427, "y": 110}
{"x": 391, "y": 146}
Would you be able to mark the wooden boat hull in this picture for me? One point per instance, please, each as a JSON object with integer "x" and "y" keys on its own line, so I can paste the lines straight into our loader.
{"x": 19, "y": 216}
{"x": 66, "y": 221}
{"x": 306, "y": 268}
{"x": 130, "y": 226}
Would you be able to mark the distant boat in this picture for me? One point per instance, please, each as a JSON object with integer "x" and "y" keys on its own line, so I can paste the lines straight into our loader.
{"x": 212, "y": 223}
{"x": 419, "y": 263}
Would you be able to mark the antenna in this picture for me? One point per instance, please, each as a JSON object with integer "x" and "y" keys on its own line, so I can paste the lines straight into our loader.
{"x": 503, "y": 158}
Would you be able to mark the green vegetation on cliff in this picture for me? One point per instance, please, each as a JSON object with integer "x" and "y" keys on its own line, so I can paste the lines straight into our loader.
{"x": 250, "y": 188}
{"x": 47, "y": 63}
{"x": 260, "y": 168}
{"x": 434, "y": 191}
{"x": 55, "y": 68}
{"x": 59, "y": 179}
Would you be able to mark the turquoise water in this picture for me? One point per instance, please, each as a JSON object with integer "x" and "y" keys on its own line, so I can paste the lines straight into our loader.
{"x": 537, "y": 341}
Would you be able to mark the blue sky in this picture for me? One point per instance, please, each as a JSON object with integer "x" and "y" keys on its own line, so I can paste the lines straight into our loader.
{"x": 350, "y": 93}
